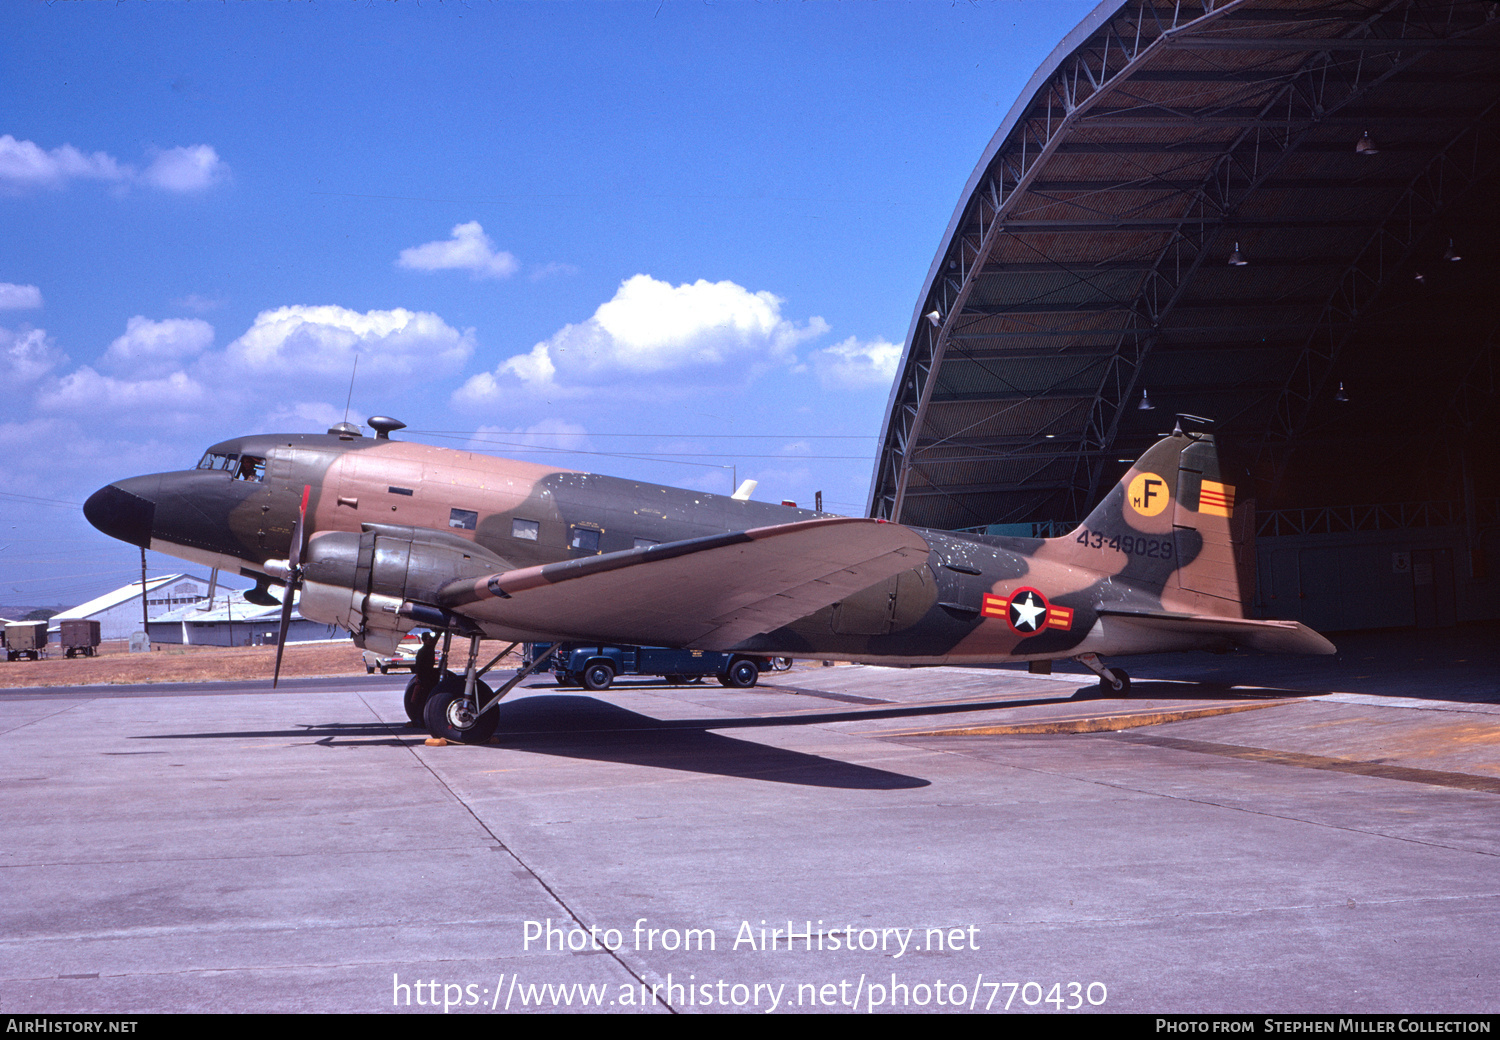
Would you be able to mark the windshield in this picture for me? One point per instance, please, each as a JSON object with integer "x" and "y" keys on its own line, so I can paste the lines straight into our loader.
{"x": 242, "y": 467}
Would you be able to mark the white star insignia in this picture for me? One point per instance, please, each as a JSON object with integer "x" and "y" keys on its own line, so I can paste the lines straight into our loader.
{"x": 1027, "y": 612}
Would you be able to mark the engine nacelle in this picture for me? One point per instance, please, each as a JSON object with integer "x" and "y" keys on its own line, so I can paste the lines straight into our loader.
{"x": 362, "y": 581}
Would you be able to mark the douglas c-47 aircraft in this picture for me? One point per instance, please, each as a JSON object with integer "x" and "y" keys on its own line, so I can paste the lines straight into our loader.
{"x": 382, "y": 536}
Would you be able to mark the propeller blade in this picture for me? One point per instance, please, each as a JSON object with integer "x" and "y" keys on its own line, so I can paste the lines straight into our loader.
{"x": 293, "y": 578}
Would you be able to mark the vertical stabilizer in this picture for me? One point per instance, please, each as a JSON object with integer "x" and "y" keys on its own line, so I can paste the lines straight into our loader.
{"x": 1180, "y": 524}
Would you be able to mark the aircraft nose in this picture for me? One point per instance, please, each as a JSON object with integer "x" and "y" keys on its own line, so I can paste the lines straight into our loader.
{"x": 118, "y": 511}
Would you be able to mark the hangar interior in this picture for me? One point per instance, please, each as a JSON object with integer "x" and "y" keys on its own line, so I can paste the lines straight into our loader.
{"x": 1278, "y": 215}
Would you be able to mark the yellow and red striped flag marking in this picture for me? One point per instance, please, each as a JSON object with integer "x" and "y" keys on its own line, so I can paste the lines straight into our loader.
{"x": 1216, "y": 499}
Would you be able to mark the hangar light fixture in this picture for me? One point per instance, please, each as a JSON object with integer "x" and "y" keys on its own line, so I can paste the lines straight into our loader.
{"x": 1145, "y": 405}
{"x": 1366, "y": 145}
{"x": 1341, "y": 396}
{"x": 1236, "y": 259}
{"x": 1451, "y": 254}
{"x": 935, "y": 317}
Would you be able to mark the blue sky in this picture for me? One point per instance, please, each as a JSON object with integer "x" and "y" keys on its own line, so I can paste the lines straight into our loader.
{"x": 674, "y": 241}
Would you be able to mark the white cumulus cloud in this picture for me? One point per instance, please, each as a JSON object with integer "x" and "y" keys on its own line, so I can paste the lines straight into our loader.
{"x": 186, "y": 169}
{"x": 153, "y": 347}
{"x": 650, "y": 327}
{"x": 323, "y": 341}
{"x": 19, "y": 297}
{"x": 130, "y": 400}
{"x": 26, "y": 355}
{"x": 470, "y": 249}
{"x": 25, "y": 165}
{"x": 852, "y": 365}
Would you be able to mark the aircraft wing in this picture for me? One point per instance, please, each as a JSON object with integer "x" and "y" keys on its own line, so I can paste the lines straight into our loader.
{"x": 705, "y": 593}
{"x": 1283, "y": 637}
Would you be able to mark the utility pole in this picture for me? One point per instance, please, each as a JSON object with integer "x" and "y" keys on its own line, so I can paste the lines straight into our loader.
{"x": 145, "y": 616}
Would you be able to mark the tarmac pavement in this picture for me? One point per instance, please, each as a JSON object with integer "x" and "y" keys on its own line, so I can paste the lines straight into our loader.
{"x": 1268, "y": 840}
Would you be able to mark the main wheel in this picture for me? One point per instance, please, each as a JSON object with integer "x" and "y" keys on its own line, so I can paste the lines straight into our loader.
{"x": 674, "y": 679}
{"x": 781, "y": 664}
{"x": 598, "y": 676}
{"x": 742, "y": 674}
{"x": 1107, "y": 688}
{"x": 450, "y": 715}
{"x": 415, "y": 701}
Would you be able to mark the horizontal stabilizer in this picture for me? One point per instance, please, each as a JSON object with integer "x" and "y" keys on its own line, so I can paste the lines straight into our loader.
{"x": 1280, "y": 637}
{"x": 705, "y": 593}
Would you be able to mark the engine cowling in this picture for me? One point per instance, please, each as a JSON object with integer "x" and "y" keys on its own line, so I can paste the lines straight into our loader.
{"x": 373, "y": 582}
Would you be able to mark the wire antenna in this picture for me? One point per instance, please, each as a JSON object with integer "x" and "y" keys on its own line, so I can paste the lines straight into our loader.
{"x": 351, "y": 387}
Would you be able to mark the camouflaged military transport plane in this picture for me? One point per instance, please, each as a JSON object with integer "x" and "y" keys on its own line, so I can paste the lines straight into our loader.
{"x": 399, "y": 535}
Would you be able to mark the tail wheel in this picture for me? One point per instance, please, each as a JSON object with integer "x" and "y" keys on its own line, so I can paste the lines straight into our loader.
{"x": 450, "y": 715}
{"x": 598, "y": 676}
{"x": 1108, "y": 689}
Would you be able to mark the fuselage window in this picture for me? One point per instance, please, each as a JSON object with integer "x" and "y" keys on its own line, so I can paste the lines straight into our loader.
{"x": 463, "y": 519}
{"x": 526, "y": 529}
{"x": 251, "y": 467}
{"x": 213, "y": 460}
{"x": 585, "y": 539}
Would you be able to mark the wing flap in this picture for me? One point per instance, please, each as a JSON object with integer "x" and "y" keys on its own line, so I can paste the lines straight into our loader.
{"x": 705, "y": 593}
{"x": 1282, "y": 637}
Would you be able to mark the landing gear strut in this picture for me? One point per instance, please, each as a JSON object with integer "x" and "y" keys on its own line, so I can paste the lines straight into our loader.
{"x": 1113, "y": 682}
{"x": 460, "y": 709}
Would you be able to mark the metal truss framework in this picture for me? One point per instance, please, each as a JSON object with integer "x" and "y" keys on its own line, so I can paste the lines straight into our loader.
{"x": 1100, "y": 218}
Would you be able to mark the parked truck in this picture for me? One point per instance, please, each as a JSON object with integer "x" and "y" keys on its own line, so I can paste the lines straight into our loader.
{"x": 594, "y": 666}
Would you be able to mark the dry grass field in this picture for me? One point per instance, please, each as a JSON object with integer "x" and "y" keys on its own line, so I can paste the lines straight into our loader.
{"x": 172, "y": 663}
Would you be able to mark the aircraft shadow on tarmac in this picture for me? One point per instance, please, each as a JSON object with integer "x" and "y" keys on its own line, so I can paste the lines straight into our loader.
{"x": 572, "y": 726}
{"x": 582, "y": 727}
{"x": 586, "y": 728}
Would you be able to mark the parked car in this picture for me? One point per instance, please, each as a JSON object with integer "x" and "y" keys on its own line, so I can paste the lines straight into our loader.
{"x": 405, "y": 657}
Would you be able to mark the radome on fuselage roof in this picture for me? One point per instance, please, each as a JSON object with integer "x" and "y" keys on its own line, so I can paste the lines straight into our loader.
{"x": 398, "y": 534}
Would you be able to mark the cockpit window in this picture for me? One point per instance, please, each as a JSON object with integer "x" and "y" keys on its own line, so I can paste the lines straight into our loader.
{"x": 217, "y": 460}
{"x": 251, "y": 467}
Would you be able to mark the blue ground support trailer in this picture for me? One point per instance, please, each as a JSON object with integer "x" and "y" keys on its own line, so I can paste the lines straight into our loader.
{"x": 594, "y": 666}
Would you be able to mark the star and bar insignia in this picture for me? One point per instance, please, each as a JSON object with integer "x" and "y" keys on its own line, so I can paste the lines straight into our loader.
{"x": 1027, "y": 611}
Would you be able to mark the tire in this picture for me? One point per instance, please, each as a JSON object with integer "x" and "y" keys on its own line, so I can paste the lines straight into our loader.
{"x": 675, "y": 679}
{"x": 1107, "y": 689}
{"x": 369, "y": 669}
{"x": 598, "y": 676}
{"x": 385, "y": 670}
{"x": 781, "y": 664}
{"x": 415, "y": 701}
{"x": 742, "y": 674}
{"x": 449, "y": 716}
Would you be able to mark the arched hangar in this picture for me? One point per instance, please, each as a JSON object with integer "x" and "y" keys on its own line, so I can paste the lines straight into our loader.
{"x": 1278, "y": 215}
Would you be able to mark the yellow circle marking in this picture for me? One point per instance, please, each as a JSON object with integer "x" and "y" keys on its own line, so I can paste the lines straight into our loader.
{"x": 1147, "y": 494}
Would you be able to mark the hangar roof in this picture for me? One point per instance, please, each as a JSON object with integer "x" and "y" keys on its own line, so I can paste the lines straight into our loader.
{"x": 1240, "y": 211}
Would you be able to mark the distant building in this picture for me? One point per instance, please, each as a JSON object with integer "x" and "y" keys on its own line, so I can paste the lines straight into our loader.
{"x": 119, "y": 612}
{"x": 234, "y": 621}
